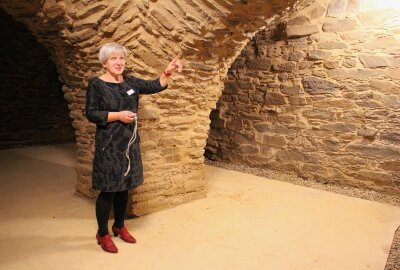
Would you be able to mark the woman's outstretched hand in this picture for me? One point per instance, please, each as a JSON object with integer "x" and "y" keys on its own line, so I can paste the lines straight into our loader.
{"x": 174, "y": 65}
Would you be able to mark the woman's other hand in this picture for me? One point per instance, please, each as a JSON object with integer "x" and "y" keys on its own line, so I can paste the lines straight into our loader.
{"x": 126, "y": 116}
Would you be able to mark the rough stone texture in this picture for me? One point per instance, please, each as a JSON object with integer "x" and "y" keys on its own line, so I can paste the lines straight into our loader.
{"x": 32, "y": 107}
{"x": 209, "y": 35}
{"x": 333, "y": 116}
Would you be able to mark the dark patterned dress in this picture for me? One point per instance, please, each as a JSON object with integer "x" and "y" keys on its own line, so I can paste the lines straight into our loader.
{"x": 116, "y": 167}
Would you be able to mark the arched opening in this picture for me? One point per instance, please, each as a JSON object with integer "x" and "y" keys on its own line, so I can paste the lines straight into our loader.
{"x": 33, "y": 110}
{"x": 316, "y": 101}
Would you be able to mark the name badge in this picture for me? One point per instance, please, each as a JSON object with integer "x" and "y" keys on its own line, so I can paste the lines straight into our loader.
{"x": 130, "y": 92}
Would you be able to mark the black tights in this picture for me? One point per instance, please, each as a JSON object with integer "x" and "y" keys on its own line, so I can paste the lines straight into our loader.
{"x": 103, "y": 208}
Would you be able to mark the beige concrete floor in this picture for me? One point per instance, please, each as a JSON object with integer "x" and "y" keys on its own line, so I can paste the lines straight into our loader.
{"x": 245, "y": 222}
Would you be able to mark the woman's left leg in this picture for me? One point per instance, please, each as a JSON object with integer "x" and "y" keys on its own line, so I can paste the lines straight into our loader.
{"x": 120, "y": 203}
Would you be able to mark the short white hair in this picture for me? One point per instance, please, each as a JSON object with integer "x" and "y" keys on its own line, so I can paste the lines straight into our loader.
{"x": 110, "y": 48}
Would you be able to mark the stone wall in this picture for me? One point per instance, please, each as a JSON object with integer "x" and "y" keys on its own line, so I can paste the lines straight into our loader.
{"x": 32, "y": 105}
{"x": 174, "y": 124}
{"x": 318, "y": 96}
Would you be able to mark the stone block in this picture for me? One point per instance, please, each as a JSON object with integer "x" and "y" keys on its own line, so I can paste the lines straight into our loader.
{"x": 290, "y": 155}
{"x": 295, "y": 31}
{"x": 361, "y": 74}
{"x": 383, "y": 86}
{"x": 316, "y": 11}
{"x": 239, "y": 138}
{"x": 162, "y": 19}
{"x": 234, "y": 124}
{"x": 350, "y": 62}
{"x": 313, "y": 171}
{"x": 392, "y": 137}
{"x": 83, "y": 35}
{"x": 355, "y": 36}
{"x": 284, "y": 67}
{"x": 274, "y": 140}
{"x": 231, "y": 87}
{"x": 387, "y": 43}
{"x": 391, "y": 165}
{"x": 314, "y": 85}
{"x": 248, "y": 149}
{"x": 298, "y": 101}
{"x": 300, "y": 20}
{"x": 268, "y": 152}
{"x": 296, "y": 56}
{"x": 391, "y": 101}
{"x": 245, "y": 85}
{"x": 331, "y": 64}
{"x": 337, "y": 8}
{"x": 147, "y": 145}
{"x": 369, "y": 133}
{"x": 320, "y": 73}
{"x": 318, "y": 55}
{"x": 257, "y": 97}
{"x": 262, "y": 127}
{"x": 304, "y": 65}
{"x": 244, "y": 98}
{"x": 293, "y": 90}
{"x": 181, "y": 120}
{"x": 339, "y": 127}
{"x": 174, "y": 141}
{"x": 289, "y": 168}
{"x": 274, "y": 99}
{"x": 259, "y": 64}
{"x": 90, "y": 10}
{"x": 287, "y": 119}
{"x": 341, "y": 25}
{"x": 379, "y": 178}
{"x": 380, "y": 151}
{"x": 53, "y": 10}
{"x": 337, "y": 103}
{"x": 148, "y": 114}
{"x": 332, "y": 45}
{"x": 376, "y": 61}
{"x": 320, "y": 114}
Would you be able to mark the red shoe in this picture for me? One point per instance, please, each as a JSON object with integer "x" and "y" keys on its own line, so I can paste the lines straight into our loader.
{"x": 124, "y": 234}
{"x": 106, "y": 243}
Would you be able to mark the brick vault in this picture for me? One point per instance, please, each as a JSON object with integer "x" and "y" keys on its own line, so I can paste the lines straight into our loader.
{"x": 174, "y": 124}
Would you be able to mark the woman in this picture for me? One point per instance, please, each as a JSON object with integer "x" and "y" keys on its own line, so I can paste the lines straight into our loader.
{"x": 112, "y": 101}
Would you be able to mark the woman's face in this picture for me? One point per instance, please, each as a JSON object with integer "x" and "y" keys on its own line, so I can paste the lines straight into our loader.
{"x": 115, "y": 64}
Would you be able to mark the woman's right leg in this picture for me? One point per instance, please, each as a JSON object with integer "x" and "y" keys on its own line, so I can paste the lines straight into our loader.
{"x": 103, "y": 208}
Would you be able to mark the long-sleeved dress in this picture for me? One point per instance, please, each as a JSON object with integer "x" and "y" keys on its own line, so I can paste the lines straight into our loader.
{"x": 116, "y": 165}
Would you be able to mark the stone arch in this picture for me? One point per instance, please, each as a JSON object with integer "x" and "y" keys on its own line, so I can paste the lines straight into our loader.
{"x": 174, "y": 124}
{"x": 319, "y": 101}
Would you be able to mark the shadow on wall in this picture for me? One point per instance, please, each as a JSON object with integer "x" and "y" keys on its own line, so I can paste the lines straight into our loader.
{"x": 32, "y": 105}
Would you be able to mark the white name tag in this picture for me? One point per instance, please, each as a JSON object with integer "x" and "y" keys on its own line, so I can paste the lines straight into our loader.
{"x": 130, "y": 91}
